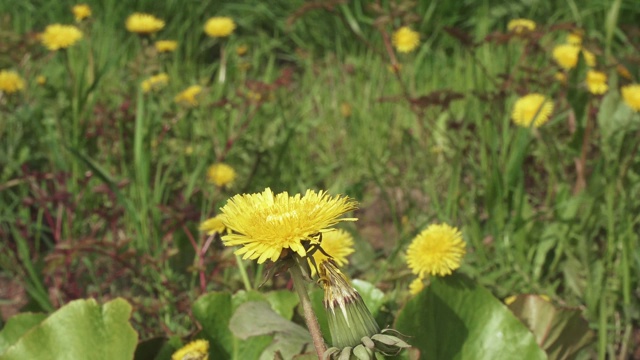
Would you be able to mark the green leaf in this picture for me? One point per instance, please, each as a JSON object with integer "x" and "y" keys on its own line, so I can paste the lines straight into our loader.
{"x": 18, "y": 326}
{"x": 372, "y": 296}
{"x": 283, "y": 302}
{"x": 213, "y": 312}
{"x": 454, "y": 318}
{"x": 81, "y": 329}
{"x": 561, "y": 332}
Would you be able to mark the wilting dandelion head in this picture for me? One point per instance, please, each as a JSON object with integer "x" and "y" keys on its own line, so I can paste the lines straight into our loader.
{"x": 416, "y": 286}
{"x": 221, "y": 174}
{"x": 265, "y": 224}
{"x": 56, "y": 36}
{"x": 520, "y": 26}
{"x": 10, "y": 82}
{"x": 631, "y": 96}
{"x": 437, "y": 250}
{"x": 144, "y": 24}
{"x": 188, "y": 96}
{"x": 163, "y": 46}
{"x": 195, "y": 350}
{"x": 155, "y": 82}
{"x": 338, "y": 244}
{"x": 219, "y": 26}
{"x": 597, "y": 82}
{"x": 213, "y": 225}
{"x": 405, "y": 40}
{"x": 532, "y": 109}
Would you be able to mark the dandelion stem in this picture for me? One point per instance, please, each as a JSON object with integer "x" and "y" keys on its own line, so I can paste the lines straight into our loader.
{"x": 243, "y": 273}
{"x": 309, "y": 316}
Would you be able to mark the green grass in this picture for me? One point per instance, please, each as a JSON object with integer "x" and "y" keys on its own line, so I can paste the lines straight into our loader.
{"x": 124, "y": 230}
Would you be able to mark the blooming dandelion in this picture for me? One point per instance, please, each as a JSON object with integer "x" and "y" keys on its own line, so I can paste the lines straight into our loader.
{"x": 265, "y": 224}
{"x": 81, "y": 12}
{"x": 219, "y": 26}
{"x": 574, "y": 38}
{"x": 57, "y": 36}
{"x": 143, "y": 24}
{"x": 532, "y": 108}
{"x": 560, "y": 77}
{"x": 405, "y": 40}
{"x": 631, "y": 96}
{"x": 195, "y": 350}
{"x": 520, "y": 26}
{"x": 213, "y": 225}
{"x": 10, "y": 82}
{"x": 221, "y": 174}
{"x": 566, "y": 55}
{"x": 338, "y": 244}
{"x": 164, "y": 46}
{"x": 437, "y": 250}
{"x": 188, "y": 96}
{"x": 155, "y": 82}
{"x": 597, "y": 82}
{"x": 416, "y": 286}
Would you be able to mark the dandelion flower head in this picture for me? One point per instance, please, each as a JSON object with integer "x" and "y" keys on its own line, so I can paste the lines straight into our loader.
{"x": 155, "y": 82}
{"x": 189, "y": 96}
{"x": 574, "y": 38}
{"x": 265, "y": 224}
{"x": 631, "y": 96}
{"x": 10, "y": 82}
{"x": 437, "y": 250}
{"x": 81, "y": 12}
{"x": 597, "y": 82}
{"x": 57, "y": 36}
{"x": 566, "y": 55}
{"x": 405, "y": 40}
{"x": 195, "y": 350}
{"x": 41, "y": 80}
{"x": 219, "y": 26}
{"x": 532, "y": 108}
{"x": 213, "y": 225}
{"x": 338, "y": 244}
{"x": 163, "y": 46}
{"x": 221, "y": 174}
{"x": 416, "y": 286}
{"x": 144, "y": 24}
{"x": 519, "y": 26}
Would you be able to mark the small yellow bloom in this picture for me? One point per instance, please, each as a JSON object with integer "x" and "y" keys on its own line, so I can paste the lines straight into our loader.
{"x": 338, "y": 244}
{"x": 566, "y": 56}
{"x": 195, "y": 350}
{"x": 56, "y": 36}
{"x": 574, "y": 38}
{"x": 10, "y": 82}
{"x": 437, "y": 250}
{"x": 561, "y": 77}
{"x": 241, "y": 50}
{"x": 405, "y": 40}
{"x": 188, "y": 96}
{"x": 265, "y": 224}
{"x": 589, "y": 58}
{"x": 631, "y": 96}
{"x": 219, "y": 26}
{"x": 519, "y": 26}
{"x": 41, "y": 80}
{"x": 155, "y": 82}
{"x": 165, "y": 45}
{"x": 597, "y": 82}
{"x": 213, "y": 225}
{"x": 81, "y": 12}
{"x": 416, "y": 286}
{"x": 221, "y": 174}
{"x": 532, "y": 108}
{"x": 143, "y": 24}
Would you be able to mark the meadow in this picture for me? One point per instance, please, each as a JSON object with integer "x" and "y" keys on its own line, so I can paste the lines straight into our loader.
{"x": 119, "y": 154}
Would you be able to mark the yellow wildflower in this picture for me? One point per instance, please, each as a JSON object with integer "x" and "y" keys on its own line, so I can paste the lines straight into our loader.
{"x": 597, "y": 82}
{"x": 81, "y": 12}
{"x": 155, "y": 82}
{"x": 219, "y": 26}
{"x": 631, "y": 96}
{"x": 437, "y": 250}
{"x": 56, "y": 36}
{"x": 221, "y": 174}
{"x": 405, "y": 40}
{"x": 566, "y": 55}
{"x": 144, "y": 24}
{"x": 338, "y": 244}
{"x": 165, "y": 45}
{"x": 213, "y": 225}
{"x": 195, "y": 350}
{"x": 241, "y": 50}
{"x": 41, "y": 80}
{"x": 623, "y": 71}
{"x": 574, "y": 38}
{"x": 416, "y": 286}
{"x": 10, "y": 82}
{"x": 519, "y": 26}
{"x": 188, "y": 96}
{"x": 561, "y": 77}
{"x": 532, "y": 108}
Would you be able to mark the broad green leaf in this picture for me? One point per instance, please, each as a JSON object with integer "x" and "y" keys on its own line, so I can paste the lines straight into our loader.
{"x": 283, "y": 302}
{"x": 372, "y": 296}
{"x": 213, "y": 311}
{"x": 81, "y": 329}
{"x": 454, "y": 318}
{"x": 157, "y": 348}
{"x": 317, "y": 295}
{"x": 561, "y": 332}
{"x": 18, "y": 326}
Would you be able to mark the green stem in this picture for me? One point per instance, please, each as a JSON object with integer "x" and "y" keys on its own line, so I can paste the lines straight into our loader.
{"x": 309, "y": 316}
{"x": 243, "y": 273}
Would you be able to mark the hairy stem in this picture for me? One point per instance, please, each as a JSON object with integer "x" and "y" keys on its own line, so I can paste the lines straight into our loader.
{"x": 309, "y": 316}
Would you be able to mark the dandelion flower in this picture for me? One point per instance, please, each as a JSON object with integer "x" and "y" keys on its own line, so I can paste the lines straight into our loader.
{"x": 416, "y": 286}
{"x": 221, "y": 174}
{"x": 81, "y": 12}
{"x": 10, "y": 82}
{"x": 241, "y": 50}
{"x": 41, "y": 80}
{"x": 195, "y": 350}
{"x": 188, "y": 96}
{"x": 219, "y": 26}
{"x": 519, "y": 26}
{"x": 56, "y": 36}
{"x": 266, "y": 224}
{"x": 213, "y": 225}
{"x": 437, "y": 250}
{"x": 631, "y": 96}
{"x": 155, "y": 82}
{"x": 589, "y": 58}
{"x": 338, "y": 244}
{"x": 163, "y": 46}
{"x": 405, "y": 40}
{"x": 532, "y": 108}
{"x": 144, "y": 24}
{"x": 566, "y": 55}
{"x": 597, "y": 82}
{"x": 623, "y": 71}
{"x": 574, "y": 38}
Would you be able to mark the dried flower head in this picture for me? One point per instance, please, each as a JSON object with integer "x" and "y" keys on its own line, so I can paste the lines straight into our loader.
{"x": 520, "y": 26}
{"x": 143, "y": 24}
{"x": 56, "y": 36}
{"x": 219, "y": 26}
{"x": 631, "y": 96}
{"x": 221, "y": 174}
{"x": 437, "y": 250}
{"x": 532, "y": 109}
{"x": 188, "y": 97}
{"x": 163, "y": 46}
{"x": 195, "y": 350}
{"x": 155, "y": 82}
{"x": 597, "y": 82}
{"x": 81, "y": 12}
{"x": 405, "y": 40}
{"x": 10, "y": 82}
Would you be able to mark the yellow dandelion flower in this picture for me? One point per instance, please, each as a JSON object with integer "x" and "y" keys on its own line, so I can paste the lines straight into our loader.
{"x": 574, "y": 38}
{"x": 195, "y": 350}
{"x": 519, "y": 26}
{"x": 597, "y": 82}
{"x": 81, "y": 12}
{"x": 165, "y": 45}
{"x": 241, "y": 50}
{"x": 155, "y": 82}
{"x": 219, "y": 26}
{"x": 221, "y": 174}
{"x": 437, "y": 250}
{"x": 532, "y": 108}
{"x": 265, "y": 224}
{"x": 189, "y": 96}
{"x": 41, "y": 80}
{"x": 566, "y": 55}
{"x": 338, "y": 244}
{"x": 213, "y": 225}
{"x": 561, "y": 77}
{"x": 57, "y": 36}
{"x": 144, "y": 24}
{"x": 631, "y": 96}
{"x": 405, "y": 40}
{"x": 416, "y": 286}
{"x": 589, "y": 58}
{"x": 10, "y": 82}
